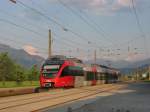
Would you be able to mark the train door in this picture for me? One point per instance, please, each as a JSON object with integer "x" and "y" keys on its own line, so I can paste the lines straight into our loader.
{"x": 94, "y": 80}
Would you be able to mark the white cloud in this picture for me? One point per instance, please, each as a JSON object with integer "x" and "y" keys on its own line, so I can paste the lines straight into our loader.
{"x": 134, "y": 57}
{"x": 98, "y": 6}
{"x": 30, "y": 49}
{"x": 125, "y": 3}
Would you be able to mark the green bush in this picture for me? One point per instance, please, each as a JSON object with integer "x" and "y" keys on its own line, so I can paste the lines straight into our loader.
{"x": 11, "y": 71}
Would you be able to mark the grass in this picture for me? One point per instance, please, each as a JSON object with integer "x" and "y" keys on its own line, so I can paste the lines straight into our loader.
{"x": 147, "y": 81}
{"x": 12, "y": 84}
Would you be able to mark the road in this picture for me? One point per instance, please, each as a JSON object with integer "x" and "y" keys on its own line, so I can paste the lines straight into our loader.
{"x": 135, "y": 97}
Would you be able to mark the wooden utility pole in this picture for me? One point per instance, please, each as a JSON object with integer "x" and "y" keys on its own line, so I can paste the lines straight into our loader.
{"x": 95, "y": 56}
{"x": 149, "y": 72}
{"x": 50, "y": 45}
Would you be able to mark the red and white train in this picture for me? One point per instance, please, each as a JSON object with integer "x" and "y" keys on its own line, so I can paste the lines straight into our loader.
{"x": 59, "y": 71}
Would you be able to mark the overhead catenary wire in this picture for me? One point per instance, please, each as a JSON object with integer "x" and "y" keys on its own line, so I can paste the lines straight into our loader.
{"x": 94, "y": 22}
{"x": 71, "y": 41}
{"x": 137, "y": 18}
{"x": 78, "y": 35}
{"x": 45, "y": 16}
{"x": 19, "y": 26}
{"x": 25, "y": 20}
{"x": 64, "y": 28}
{"x": 99, "y": 31}
{"x": 140, "y": 27}
{"x": 5, "y": 38}
{"x": 22, "y": 43}
{"x": 96, "y": 27}
{"x": 67, "y": 29}
{"x": 120, "y": 44}
{"x": 89, "y": 42}
{"x": 30, "y": 30}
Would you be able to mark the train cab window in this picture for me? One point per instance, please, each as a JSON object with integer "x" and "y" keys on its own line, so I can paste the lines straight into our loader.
{"x": 65, "y": 72}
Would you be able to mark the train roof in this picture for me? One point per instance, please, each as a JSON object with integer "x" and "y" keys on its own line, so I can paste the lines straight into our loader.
{"x": 103, "y": 68}
{"x": 60, "y": 59}
{"x": 75, "y": 60}
{"x": 57, "y": 57}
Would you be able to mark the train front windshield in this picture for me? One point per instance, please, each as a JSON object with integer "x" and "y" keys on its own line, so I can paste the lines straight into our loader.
{"x": 50, "y": 71}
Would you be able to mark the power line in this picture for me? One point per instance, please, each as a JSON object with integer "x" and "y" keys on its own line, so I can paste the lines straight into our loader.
{"x": 65, "y": 29}
{"x": 99, "y": 31}
{"x": 78, "y": 35}
{"x": 97, "y": 25}
{"x": 27, "y": 29}
{"x": 22, "y": 43}
{"x": 129, "y": 41}
{"x": 25, "y": 20}
{"x": 140, "y": 26}
{"x": 19, "y": 26}
{"x": 137, "y": 18}
{"x": 30, "y": 29}
{"x": 54, "y": 21}
{"x": 85, "y": 20}
{"x": 70, "y": 41}
{"x": 42, "y": 50}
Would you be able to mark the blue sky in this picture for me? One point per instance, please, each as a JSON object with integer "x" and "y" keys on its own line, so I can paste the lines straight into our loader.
{"x": 107, "y": 26}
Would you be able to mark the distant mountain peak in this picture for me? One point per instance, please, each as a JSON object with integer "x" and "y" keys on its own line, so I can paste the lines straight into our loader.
{"x": 21, "y": 56}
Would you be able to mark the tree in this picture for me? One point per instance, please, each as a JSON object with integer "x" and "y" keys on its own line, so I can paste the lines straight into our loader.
{"x": 33, "y": 74}
{"x": 19, "y": 74}
{"x": 6, "y": 68}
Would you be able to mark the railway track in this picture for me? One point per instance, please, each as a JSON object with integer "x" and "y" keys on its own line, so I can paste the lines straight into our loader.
{"x": 51, "y": 92}
{"x": 76, "y": 99}
{"x": 51, "y": 100}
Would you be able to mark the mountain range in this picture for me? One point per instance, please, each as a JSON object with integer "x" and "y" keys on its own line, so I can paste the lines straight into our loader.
{"x": 25, "y": 59}
{"x": 122, "y": 65}
{"x": 21, "y": 56}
